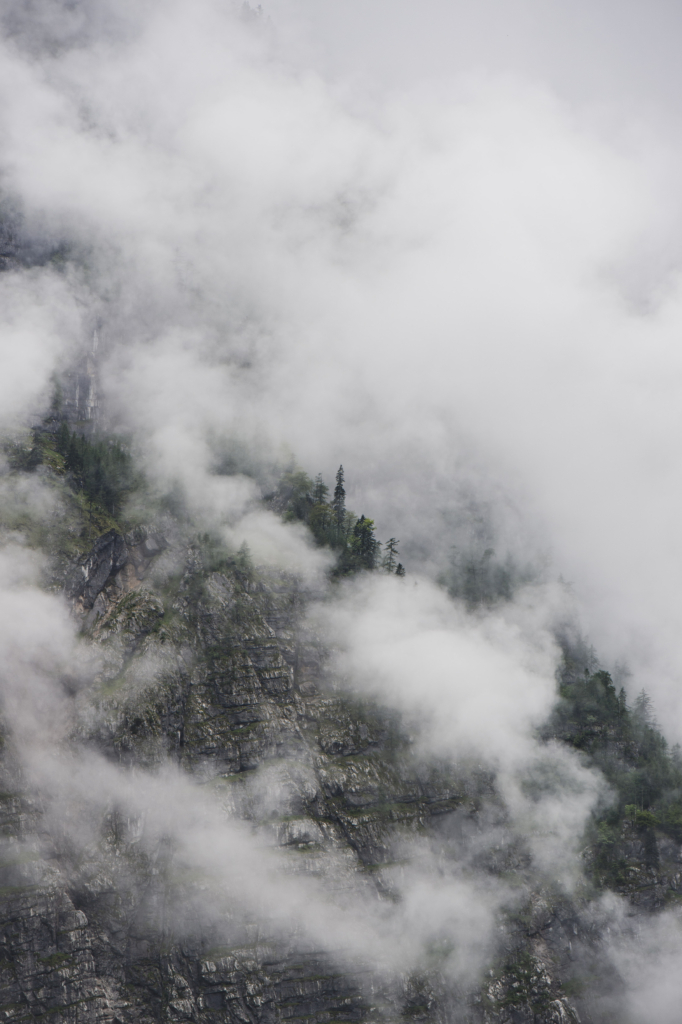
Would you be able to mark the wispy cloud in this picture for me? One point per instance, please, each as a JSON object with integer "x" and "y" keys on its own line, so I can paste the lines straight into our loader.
{"x": 463, "y": 282}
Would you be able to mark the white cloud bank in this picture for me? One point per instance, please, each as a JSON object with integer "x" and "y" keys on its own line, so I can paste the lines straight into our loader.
{"x": 473, "y": 689}
{"x": 456, "y": 283}
{"x": 462, "y": 285}
{"x": 223, "y": 876}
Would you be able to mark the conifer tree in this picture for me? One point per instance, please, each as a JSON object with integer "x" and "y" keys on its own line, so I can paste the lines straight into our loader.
{"x": 390, "y": 559}
{"x": 642, "y": 708}
{"x": 63, "y": 438}
{"x": 364, "y": 544}
{"x": 339, "y": 502}
{"x": 320, "y": 490}
{"x": 400, "y": 569}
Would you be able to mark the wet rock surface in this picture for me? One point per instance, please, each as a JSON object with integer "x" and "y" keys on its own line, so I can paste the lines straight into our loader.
{"x": 212, "y": 669}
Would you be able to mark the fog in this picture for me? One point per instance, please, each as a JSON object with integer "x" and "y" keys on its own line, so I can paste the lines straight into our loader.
{"x": 477, "y": 689}
{"x": 622, "y": 54}
{"x": 224, "y": 877}
{"x": 440, "y": 246}
{"x": 468, "y": 286}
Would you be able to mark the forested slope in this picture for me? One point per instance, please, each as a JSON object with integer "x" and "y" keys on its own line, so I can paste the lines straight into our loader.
{"x": 209, "y": 663}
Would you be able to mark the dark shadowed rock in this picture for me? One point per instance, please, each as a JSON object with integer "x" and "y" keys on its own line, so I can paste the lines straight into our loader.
{"x": 108, "y": 556}
{"x": 216, "y": 671}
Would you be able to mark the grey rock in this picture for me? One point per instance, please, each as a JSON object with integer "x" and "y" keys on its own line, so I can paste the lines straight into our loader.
{"x": 108, "y": 556}
{"x": 216, "y": 672}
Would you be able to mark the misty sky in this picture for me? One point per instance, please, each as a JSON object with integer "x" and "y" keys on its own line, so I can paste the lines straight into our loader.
{"x": 622, "y": 53}
{"x": 613, "y": 71}
{"x": 439, "y": 243}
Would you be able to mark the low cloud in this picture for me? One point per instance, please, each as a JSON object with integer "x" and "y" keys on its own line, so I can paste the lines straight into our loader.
{"x": 286, "y": 546}
{"x": 223, "y": 874}
{"x": 465, "y": 288}
{"x": 40, "y": 327}
{"x": 474, "y": 688}
{"x": 448, "y": 289}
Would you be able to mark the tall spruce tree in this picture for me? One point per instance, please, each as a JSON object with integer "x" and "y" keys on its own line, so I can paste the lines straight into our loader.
{"x": 339, "y": 503}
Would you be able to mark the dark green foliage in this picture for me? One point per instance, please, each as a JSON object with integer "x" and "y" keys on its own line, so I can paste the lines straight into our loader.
{"x": 364, "y": 543}
{"x": 31, "y": 449}
{"x": 590, "y": 715}
{"x": 360, "y": 548}
{"x": 339, "y": 502}
{"x": 25, "y": 455}
{"x": 321, "y": 522}
{"x": 626, "y": 745}
{"x": 331, "y": 523}
{"x": 100, "y": 468}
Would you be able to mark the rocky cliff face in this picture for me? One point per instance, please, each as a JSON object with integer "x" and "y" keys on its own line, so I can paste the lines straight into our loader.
{"x": 207, "y": 663}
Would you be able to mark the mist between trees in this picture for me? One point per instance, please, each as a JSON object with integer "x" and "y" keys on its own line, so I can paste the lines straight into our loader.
{"x": 626, "y": 745}
{"x": 469, "y": 286}
{"x": 621, "y": 741}
{"x": 99, "y": 470}
{"x": 333, "y": 525}
{"x": 621, "y": 831}
{"x": 97, "y": 467}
